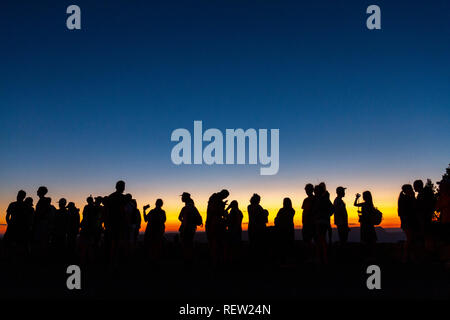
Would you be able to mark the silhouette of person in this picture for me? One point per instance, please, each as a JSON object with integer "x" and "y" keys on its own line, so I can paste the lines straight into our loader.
{"x": 135, "y": 224}
{"x": 133, "y": 221}
{"x": 257, "y": 219}
{"x": 99, "y": 213}
{"x": 366, "y": 210}
{"x": 284, "y": 225}
{"x": 234, "y": 231}
{"x": 43, "y": 220}
{"x": 89, "y": 230}
{"x": 330, "y": 230}
{"x": 190, "y": 218}
{"x": 117, "y": 221}
{"x": 105, "y": 222}
{"x": 14, "y": 215}
{"x": 29, "y": 223}
{"x": 341, "y": 216}
{"x": 60, "y": 227}
{"x": 154, "y": 232}
{"x": 409, "y": 220}
{"x": 215, "y": 224}
{"x": 425, "y": 207}
{"x": 323, "y": 211}
{"x": 73, "y": 228}
{"x": 308, "y": 218}
{"x": 17, "y": 225}
{"x": 128, "y": 211}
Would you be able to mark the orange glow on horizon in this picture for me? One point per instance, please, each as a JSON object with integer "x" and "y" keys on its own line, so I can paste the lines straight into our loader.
{"x": 390, "y": 218}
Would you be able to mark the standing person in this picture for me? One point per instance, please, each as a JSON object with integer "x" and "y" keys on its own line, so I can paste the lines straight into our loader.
{"x": 105, "y": 222}
{"x": 284, "y": 225}
{"x": 16, "y": 220}
{"x": 60, "y": 228}
{"x": 42, "y": 222}
{"x": 133, "y": 220}
{"x": 128, "y": 227}
{"x": 234, "y": 231}
{"x": 257, "y": 219}
{"x": 409, "y": 220}
{"x": 73, "y": 228}
{"x": 341, "y": 216}
{"x": 323, "y": 212}
{"x": 425, "y": 205}
{"x": 99, "y": 213}
{"x": 154, "y": 232}
{"x": 88, "y": 231}
{"x": 190, "y": 218}
{"x": 366, "y": 210}
{"x": 215, "y": 225}
{"x": 116, "y": 222}
{"x": 309, "y": 219}
{"x": 29, "y": 223}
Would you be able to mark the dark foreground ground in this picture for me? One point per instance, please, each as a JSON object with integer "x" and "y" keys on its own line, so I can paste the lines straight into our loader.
{"x": 296, "y": 280}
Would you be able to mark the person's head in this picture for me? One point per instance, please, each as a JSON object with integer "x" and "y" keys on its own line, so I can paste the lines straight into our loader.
{"x": 42, "y": 191}
{"x": 223, "y": 194}
{"x": 90, "y": 200}
{"x": 309, "y": 189}
{"x": 255, "y": 199}
{"x": 21, "y": 195}
{"x": 62, "y": 203}
{"x": 287, "y": 203}
{"x": 340, "y": 191}
{"x": 29, "y": 201}
{"x": 320, "y": 189}
{"x": 407, "y": 189}
{"x": 234, "y": 204}
{"x": 186, "y": 197}
{"x": 418, "y": 185}
{"x": 104, "y": 200}
{"x": 98, "y": 200}
{"x": 317, "y": 191}
{"x": 128, "y": 197}
{"x": 159, "y": 203}
{"x": 367, "y": 197}
{"x": 120, "y": 186}
{"x": 71, "y": 206}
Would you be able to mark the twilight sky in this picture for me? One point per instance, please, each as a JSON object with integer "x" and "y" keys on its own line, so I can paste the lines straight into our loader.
{"x": 368, "y": 110}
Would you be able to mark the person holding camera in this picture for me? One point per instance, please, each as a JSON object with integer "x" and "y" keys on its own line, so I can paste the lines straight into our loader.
{"x": 366, "y": 209}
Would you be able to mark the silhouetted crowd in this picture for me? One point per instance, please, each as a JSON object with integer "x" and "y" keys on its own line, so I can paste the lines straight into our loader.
{"x": 111, "y": 224}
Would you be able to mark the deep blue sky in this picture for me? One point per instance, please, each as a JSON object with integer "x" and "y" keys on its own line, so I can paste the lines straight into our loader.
{"x": 84, "y": 108}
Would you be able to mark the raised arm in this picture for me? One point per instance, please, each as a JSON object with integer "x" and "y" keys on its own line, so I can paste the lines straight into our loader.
{"x": 356, "y": 204}
{"x": 145, "y": 214}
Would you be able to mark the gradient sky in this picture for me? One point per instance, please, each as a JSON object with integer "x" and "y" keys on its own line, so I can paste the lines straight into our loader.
{"x": 368, "y": 110}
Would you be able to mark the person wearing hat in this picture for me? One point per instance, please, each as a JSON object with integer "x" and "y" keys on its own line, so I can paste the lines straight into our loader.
{"x": 340, "y": 215}
{"x": 215, "y": 226}
{"x": 41, "y": 223}
{"x": 190, "y": 218}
